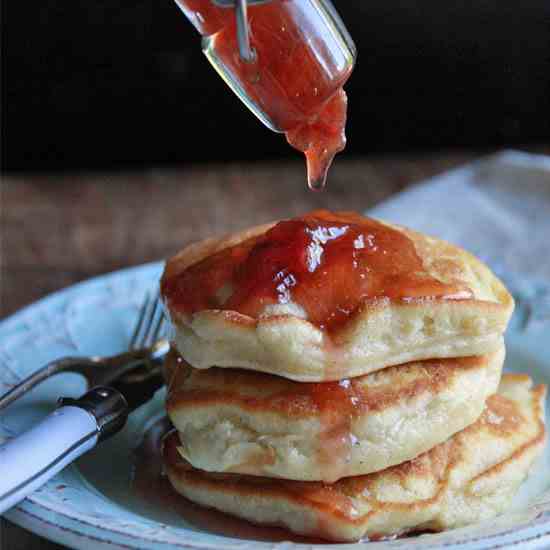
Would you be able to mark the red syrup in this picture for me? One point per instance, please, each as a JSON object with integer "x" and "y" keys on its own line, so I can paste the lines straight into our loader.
{"x": 327, "y": 263}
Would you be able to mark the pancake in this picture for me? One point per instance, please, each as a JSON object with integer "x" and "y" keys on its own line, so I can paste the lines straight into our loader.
{"x": 239, "y": 421}
{"x": 330, "y": 296}
{"x": 469, "y": 478}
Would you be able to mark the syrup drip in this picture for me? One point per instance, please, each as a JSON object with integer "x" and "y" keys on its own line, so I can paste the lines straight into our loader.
{"x": 322, "y": 139}
{"x": 326, "y": 263}
{"x": 294, "y": 82}
{"x": 336, "y": 403}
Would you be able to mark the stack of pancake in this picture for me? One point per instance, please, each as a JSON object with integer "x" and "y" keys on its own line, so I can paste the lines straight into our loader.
{"x": 341, "y": 377}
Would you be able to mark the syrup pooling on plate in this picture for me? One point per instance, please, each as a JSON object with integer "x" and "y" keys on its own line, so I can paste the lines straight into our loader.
{"x": 317, "y": 492}
{"x": 294, "y": 82}
{"x": 151, "y": 485}
{"x": 326, "y": 264}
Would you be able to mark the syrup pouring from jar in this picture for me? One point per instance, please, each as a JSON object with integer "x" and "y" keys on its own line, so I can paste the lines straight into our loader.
{"x": 288, "y": 61}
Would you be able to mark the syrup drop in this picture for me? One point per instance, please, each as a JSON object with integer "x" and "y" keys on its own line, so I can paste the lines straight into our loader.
{"x": 317, "y": 184}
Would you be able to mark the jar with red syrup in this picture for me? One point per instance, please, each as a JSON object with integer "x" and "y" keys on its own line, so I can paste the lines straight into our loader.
{"x": 300, "y": 56}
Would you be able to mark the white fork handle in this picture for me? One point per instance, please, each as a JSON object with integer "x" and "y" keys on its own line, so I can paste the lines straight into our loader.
{"x": 29, "y": 460}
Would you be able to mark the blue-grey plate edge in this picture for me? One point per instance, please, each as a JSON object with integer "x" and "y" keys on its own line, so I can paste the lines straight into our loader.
{"x": 86, "y": 519}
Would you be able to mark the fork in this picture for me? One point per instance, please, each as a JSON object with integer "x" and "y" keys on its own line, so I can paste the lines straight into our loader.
{"x": 29, "y": 460}
{"x": 147, "y": 342}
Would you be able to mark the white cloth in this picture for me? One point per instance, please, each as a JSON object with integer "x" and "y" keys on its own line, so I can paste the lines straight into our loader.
{"x": 498, "y": 208}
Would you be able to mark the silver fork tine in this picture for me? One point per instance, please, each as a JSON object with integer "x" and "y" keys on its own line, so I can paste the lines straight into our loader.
{"x": 147, "y": 324}
{"x": 158, "y": 327}
{"x": 139, "y": 324}
{"x": 147, "y": 337}
{"x": 151, "y": 325}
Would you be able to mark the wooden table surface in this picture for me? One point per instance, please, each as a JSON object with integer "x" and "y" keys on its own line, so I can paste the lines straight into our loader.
{"x": 58, "y": 230}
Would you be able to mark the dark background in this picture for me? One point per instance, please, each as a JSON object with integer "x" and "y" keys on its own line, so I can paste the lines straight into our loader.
{"x": 103, "y": 85}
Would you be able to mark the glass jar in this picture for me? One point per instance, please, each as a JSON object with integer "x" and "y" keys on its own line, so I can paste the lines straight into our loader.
{"x": 301, "y": 57}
